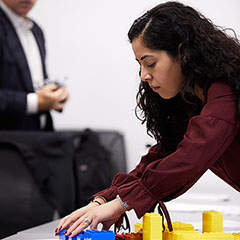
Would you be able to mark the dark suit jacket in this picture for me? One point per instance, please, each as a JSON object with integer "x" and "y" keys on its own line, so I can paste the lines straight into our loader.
{"x": 15, "y": 79}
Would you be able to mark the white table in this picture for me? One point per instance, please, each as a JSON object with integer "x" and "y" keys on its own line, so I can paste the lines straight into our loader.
{"x": 45, "y": 231}
{"x": 187, "y": 209}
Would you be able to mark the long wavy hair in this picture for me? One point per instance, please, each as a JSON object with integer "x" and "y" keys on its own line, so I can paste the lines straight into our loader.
{"x": 207, "y": 54}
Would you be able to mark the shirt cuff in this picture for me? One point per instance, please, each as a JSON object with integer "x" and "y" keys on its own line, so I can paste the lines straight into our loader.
{"x": 32, "y": 103}
{"x": 137, "y": 196}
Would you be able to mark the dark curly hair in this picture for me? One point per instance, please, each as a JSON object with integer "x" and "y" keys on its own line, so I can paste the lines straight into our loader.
{"x": 207, "y": 54}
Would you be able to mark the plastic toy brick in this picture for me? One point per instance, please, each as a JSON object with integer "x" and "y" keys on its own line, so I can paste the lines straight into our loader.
{"x": 137, "y": 227}
{"x": 180, "y": 226}
{"x": 119, "y": 236}
{"x": 80, "y": 236}
{"x": 89, "y": 235}
{"x": 178, "y": 235}
{"x": 99, "y": 235}
{"x": 209, "y": 236}
{"x": 133, "y": 236}
{"x": 152, "y": 226}
{"x": 212, "y": 221}
{"x": 62, "y": 236}
{"x": 218, "y": 236}
{"x": 236, "y": 236}
{"x": 177, "y": 226}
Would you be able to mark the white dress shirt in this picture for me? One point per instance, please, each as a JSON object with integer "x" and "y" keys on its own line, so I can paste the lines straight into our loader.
{"x": 23, "y": 28}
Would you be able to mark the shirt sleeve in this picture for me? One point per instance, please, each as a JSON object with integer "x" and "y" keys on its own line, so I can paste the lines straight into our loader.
{"x": 123, "y": 178}
{"x": 32, "y": 103}
{"x": 206, "y": 139}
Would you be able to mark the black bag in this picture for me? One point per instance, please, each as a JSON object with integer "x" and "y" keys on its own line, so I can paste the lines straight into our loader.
{"x": 93, "y": 167}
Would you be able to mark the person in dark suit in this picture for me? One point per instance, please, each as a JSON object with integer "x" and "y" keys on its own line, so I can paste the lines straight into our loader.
{"x": 25, "y": 96}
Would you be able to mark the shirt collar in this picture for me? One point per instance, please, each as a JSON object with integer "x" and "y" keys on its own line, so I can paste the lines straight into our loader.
{"x": 16, "y": 20}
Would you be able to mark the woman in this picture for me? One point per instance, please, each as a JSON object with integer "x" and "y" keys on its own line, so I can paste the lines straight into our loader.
{"x": 189, "y": 99}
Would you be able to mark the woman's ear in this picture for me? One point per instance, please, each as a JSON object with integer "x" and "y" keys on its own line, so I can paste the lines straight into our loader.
{"x": 180, "y": 53}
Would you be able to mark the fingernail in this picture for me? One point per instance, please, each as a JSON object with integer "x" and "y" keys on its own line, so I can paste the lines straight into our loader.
{"x": 69, "y": 234}
{"x": 60, "y": 229}
{"x": 56, "y": 230}
{"x": 56, "y": 234}
{"x": 65, "y": 233}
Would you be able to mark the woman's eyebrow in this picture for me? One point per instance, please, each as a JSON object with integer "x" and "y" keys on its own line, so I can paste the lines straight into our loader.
{"x": 145, "y": 56}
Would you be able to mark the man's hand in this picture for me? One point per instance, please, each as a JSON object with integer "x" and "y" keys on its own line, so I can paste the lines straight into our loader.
{"x": 52, "y": 96}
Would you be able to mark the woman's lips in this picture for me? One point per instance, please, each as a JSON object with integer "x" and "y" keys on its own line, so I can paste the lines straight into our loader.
{"x": 155, "y": 89}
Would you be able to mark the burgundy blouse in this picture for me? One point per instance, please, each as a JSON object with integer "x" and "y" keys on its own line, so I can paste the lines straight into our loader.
{"x": 212, "y": 141}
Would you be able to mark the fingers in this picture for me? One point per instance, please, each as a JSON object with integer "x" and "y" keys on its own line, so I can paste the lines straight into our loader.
{"x": 60, "y": 93}
{"x": 89, "y": 219}
{"x": 61, "y": 97}
{"x": 50, "y": 87}
{"x": 82, "y": 223}
{"x": 52, "y": 97}
{"x": 73, "y": 220}
{"x": 69, "y": 220}
{"x": 61, "y": 224}
{"x": 65, "y": 223}
{"x": 91, "y": 216}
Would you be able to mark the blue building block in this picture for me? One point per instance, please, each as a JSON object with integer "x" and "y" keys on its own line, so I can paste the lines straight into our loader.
{"x": 80, "y": 236}
{"x": 89, "y": 235}
{"x": 99, "y": 235}
{"x": 62, "y": 236}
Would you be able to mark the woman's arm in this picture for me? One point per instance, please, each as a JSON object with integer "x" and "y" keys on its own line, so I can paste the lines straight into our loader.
{"x": 124, "y": 178}
{"x": 207, "y": 138}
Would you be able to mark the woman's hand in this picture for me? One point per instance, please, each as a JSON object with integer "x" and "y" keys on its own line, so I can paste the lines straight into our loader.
{"x": 92, "y": 215}
{"x": 71, "y": 218}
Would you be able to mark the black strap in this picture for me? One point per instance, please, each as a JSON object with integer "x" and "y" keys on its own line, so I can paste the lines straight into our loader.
{"x": 161, "y": 207}
{"x": 162, "y": 210}
{"x": 122, "y": 227}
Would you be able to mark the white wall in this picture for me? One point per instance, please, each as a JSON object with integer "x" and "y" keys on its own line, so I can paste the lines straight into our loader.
{"x": 87, "y": 41}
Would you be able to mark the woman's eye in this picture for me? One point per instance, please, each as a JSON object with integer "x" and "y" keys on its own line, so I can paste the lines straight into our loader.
{"x": 151, "y": 65}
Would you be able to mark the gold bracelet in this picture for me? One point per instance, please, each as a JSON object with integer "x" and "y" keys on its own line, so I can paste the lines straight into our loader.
{"x": 96, "y": 201}
{"x": 103, "y": 198}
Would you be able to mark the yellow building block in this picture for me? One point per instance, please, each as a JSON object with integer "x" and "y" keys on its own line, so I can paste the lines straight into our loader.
{"x": 167, "y": 235}
{"x": 177, "y": 226}
{"x": 152, "y": 226}
{"x": 179, "y": 235}
{"x": 193, "y": 237}
{"x": 137, "y": 227}
{"x": 236, "y": 236}
{"x": 203, "y": 236}
{"x": 180, "y": 226}
{"x": 212, "y": 221}
{"x": 218, "y": 236}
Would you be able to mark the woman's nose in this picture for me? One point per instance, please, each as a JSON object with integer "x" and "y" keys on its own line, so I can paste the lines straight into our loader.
{"x": 145, "y": 76}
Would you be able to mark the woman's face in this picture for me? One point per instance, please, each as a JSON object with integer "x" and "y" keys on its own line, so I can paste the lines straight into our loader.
{"x": 162, "y": 72}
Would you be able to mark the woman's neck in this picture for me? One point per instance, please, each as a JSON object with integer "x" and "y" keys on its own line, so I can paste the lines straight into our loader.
{"x": 199, "y": 93}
